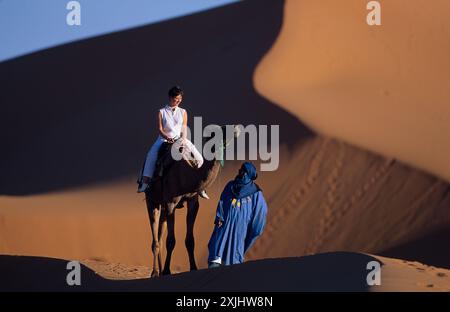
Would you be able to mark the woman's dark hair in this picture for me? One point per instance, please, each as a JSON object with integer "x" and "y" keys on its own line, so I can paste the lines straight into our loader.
{"x": 175, "y": 91}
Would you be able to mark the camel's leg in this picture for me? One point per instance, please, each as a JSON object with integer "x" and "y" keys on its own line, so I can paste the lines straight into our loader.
{"x": 192, "y": 208}
{"x": 155, "y": 213}
{"x": 161, "y": 232}
{"x": 170, "y": 242}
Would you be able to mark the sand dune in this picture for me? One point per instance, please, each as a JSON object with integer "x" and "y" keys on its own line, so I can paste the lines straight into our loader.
{"x": 338, "y": 197}
{"x": 383, "y": 88}
{"x": 76, "y": 122}
{"x": 322, "y": 272}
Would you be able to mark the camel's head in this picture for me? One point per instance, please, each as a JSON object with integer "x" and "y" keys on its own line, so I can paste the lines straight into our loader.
{"x": 223, "y": 136}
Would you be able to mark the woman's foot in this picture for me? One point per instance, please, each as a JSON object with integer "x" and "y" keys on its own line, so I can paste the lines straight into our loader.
{"x": 203, "y": 194}
{"x": 143, "y": 185}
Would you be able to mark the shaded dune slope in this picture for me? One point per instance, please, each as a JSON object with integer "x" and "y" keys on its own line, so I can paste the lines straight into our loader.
{"x": 83, "y": 112}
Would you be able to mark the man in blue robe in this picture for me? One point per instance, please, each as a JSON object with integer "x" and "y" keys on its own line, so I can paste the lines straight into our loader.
{"x": 240, "y": 219}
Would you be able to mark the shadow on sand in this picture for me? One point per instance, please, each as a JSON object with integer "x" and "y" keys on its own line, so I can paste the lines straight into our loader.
{"x": 337, "y": 271}
{"x": 84, "y": 112}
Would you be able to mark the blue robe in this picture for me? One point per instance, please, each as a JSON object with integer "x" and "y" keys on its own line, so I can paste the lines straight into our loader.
{"x": 243, "y": 220}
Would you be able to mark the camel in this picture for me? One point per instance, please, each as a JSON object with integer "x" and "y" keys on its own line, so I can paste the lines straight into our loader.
{"x": 179, "y": 185}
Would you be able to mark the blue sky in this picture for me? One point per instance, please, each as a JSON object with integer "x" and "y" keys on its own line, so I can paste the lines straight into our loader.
{"x": 31, "y": 25}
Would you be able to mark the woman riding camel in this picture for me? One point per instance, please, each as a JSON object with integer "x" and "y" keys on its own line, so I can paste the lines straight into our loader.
{"x": 172, "y": 125}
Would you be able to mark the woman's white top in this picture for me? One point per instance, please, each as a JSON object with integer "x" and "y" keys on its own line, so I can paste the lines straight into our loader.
{"x": 172, "y": 120}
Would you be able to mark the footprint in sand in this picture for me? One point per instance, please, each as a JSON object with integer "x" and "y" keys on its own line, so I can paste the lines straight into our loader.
{"x": 420, "y": 269}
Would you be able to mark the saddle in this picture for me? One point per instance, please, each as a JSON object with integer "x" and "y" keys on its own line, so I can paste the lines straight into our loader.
{"x": 164, "y": 160}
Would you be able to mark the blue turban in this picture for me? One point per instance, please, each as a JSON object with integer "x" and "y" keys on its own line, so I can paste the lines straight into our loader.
{"x": 243, "y": 184}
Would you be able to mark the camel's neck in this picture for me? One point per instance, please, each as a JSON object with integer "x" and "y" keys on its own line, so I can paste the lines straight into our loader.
{"x": 210, "y": 165}
{"x": 210, "y": 169}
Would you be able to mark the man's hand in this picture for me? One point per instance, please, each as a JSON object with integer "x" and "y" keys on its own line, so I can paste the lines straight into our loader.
{"x": 219, "y": 223}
